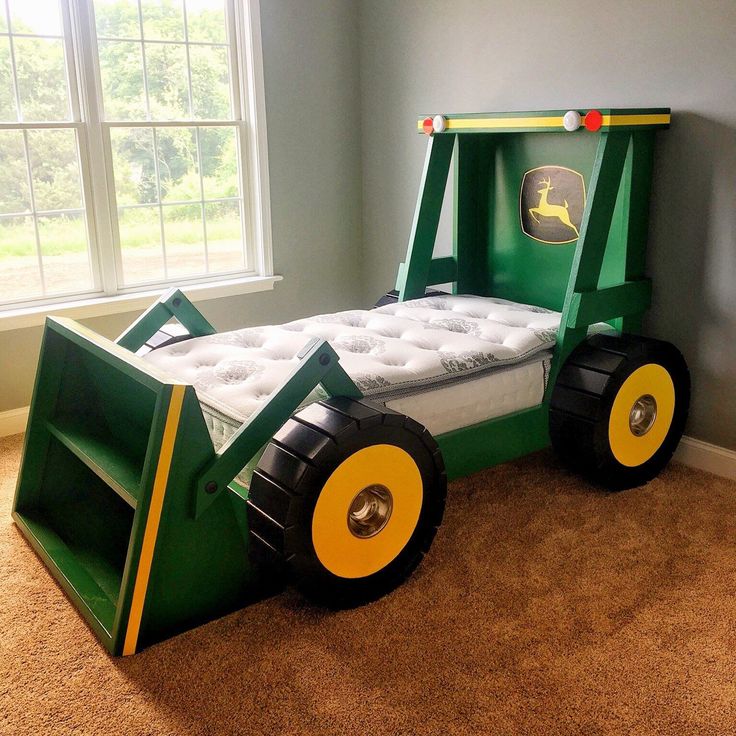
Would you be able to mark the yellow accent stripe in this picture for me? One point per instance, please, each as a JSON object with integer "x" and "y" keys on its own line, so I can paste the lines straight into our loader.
{"x": 553, "y": 122}
{"x": 663, "y": 119}
{"x": 547, "y": 122}
{"x": 152, "y": 522}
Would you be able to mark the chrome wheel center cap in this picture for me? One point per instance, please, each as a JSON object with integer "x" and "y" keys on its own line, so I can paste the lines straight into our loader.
{"x": 370, "y": 511}
{"x": 643, "y": 414}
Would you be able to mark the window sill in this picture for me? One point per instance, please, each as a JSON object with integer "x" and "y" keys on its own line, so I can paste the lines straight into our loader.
{"x": 16, "y": 319}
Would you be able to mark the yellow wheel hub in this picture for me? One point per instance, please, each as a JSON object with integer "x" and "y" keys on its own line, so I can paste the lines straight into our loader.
{"x": 641, "y": 415}
{"x": 367, "y": 511}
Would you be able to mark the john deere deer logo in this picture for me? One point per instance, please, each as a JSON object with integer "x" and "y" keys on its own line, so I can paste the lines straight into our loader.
{"x": 551, "y": 204}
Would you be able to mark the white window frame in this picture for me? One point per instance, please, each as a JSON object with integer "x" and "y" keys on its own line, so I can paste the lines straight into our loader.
{"x": 93, "y": 134}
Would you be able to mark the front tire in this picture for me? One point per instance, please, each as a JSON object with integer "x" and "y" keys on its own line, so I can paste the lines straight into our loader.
{"x": 349, "y": 495}
{"x": 619, "y": 407}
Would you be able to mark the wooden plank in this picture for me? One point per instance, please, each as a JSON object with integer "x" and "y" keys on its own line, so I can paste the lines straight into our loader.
{"x": 638, "y": 184}
{"x": 102, "y": 456}
{"x": 585, "y": 272}
{"x": 442, "y": 270}
{"x": 62, "y": 562}
{"x": 111, "y": 353}
{"x": 495, "y": 441}
{"x": 632, "y": 297}
{"x": 426, "y": 218}
{"x": 472, "y": 212}
{"x": 171, "y": 304}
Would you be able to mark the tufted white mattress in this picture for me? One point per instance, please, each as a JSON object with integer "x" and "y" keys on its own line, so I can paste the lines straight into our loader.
{"x": 447, "y": 361}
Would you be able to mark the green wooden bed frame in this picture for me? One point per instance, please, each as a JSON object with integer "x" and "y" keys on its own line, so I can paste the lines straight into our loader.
{"x": 121, "y": 492}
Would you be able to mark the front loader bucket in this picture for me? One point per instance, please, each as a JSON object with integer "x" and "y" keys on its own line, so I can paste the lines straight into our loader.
{"x": 106, "y": 490}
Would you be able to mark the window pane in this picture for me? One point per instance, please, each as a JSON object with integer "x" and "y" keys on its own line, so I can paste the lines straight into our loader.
{"x": 117, "y": 19}
{"x": 210, "y": 82}
{"x": 65, "y": 253}
{"x": 206, "y": 20}
{"x": 133, "y": 166}
{"x": 19, "y": 272}
{"x": 163, "y": 19}
{"x": 121, "y": 67}
{"x": 39, "y": 17}
{"x": 42, "y": 84}
{"x": 140, "y": 245}
{"x": 14, "y": 194}
{"x": 224, "y": 236}
{"x": 55, "y": 169}
{"x": 3, "y": 19}
{"x": 219, "y": 162}
{"x": 168, "y": 86}
{"x": 178, "y": 166}
{"x": 184, "y": 234}
{"x": 8, "y": 112}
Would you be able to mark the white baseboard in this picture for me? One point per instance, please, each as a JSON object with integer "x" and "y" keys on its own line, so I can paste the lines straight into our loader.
{"x": 691, "y": 452}
{"x": 704, "y": 456}
{"x": 13, "y": 421}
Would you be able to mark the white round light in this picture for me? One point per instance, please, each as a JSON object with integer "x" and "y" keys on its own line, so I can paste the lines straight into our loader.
{"x": 572, "y": 120}
{"x": 439, "y": 123}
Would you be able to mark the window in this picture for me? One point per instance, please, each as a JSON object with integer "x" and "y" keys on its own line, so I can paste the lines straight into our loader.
{"x": 129, "y": 154}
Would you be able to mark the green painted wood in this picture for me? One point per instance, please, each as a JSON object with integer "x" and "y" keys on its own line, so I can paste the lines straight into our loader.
{"x": 338, "y": 383}
{"x": 514, "y": 117}
{"x": 63, "y": 564}
{"x": 102, "y": 455}
{"x": 109, "y": 353}
{"x": 187, "y": 314}
{"x": 413, "y": 281}
{"x": 472, "y": 212}
{"x": 317, "y": 363}
{"x": 635, "y": 217}
{"x": 153, "y": 441}
{"x": 155, "y": 317}
{"x": 442, "y": 270}
{"x": 586, "y": 265}
{"x": 495, "y": 441}
{"x": 80, "y": 528}
{"x": 632, "y": 297}
{"x": 51, "y": 366}
{"x": 171, "y": 304}
{"x": 202, "y": 567}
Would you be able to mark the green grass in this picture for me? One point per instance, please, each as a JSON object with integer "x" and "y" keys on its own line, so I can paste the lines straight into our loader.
{"x": 64, "y": 236}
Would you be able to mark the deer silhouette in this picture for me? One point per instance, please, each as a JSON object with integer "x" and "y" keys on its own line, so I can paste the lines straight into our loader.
{"x": 545, "y": 209}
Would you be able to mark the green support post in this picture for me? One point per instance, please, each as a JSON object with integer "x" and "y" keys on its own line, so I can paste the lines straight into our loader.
{"x": 591, "y": 245}
{"x": 635, "y": 220}
{"x": 473, "y": 180}
{"x": 171, "y": 304}
{"x": 426, "y": 218}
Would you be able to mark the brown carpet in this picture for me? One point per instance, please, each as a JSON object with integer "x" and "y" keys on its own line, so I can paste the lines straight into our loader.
{"x": 545, "y": 607}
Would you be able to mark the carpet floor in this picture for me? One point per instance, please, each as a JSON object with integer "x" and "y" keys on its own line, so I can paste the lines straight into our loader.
{"x": 544, "y": 607}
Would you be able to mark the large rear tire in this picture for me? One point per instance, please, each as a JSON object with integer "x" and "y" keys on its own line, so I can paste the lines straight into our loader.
{"x": 619, "y": 407}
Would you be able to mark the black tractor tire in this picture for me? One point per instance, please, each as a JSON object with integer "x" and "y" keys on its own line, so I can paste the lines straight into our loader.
{"x": 331, "y": 464}
{"x": 618, "y": 408}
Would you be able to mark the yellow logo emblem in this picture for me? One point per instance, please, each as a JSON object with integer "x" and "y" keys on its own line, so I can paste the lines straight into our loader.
{"x": 551, "y": 204}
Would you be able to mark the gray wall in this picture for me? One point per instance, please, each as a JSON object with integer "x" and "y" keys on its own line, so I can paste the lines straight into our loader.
{"x": 312, "y": 103}
{"x": 421, "y": 56}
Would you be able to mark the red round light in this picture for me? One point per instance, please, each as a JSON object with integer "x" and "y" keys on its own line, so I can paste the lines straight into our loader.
{"x": 427, "y": 126}
{"x": 593, "y": 120}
